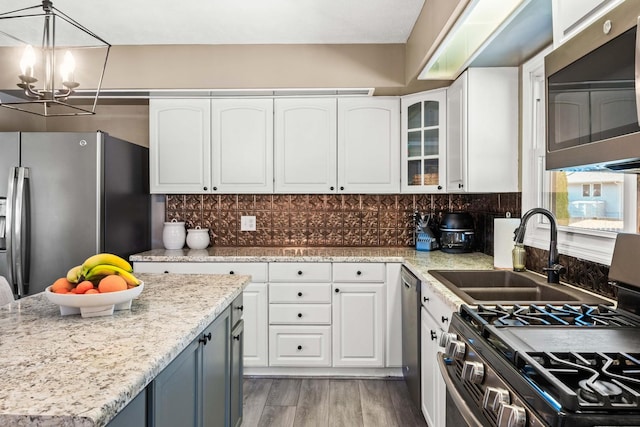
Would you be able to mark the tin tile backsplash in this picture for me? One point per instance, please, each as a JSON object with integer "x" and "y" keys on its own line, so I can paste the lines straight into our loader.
{"x": 333, "y": 220}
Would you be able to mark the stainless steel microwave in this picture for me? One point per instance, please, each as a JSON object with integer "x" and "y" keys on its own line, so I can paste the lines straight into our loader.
{"x": 592, "y": 88}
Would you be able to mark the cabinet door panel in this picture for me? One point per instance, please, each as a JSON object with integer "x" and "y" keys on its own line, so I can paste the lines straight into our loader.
{"x": 456, "y": 133}
{"x": 256, "y": 327}
{"x": 305, "y": 145}
{"x": 179, "y": 145}
{"x": 237, "y": 339}
{"x": 358, "y": 324}
{"x": 216, "y": 373}
{"x": 369, "y": 145}
{"x": 432, "y": 384}
{"x": 175, "y": 391}
{"x": 424, "y": 142}
{"x": 242, "y": 145}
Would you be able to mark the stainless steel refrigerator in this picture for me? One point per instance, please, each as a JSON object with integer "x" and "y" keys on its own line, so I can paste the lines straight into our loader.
{"x": 65, "y": 196}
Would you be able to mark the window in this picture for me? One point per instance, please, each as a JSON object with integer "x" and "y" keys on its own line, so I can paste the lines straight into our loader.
{"x": 577, "y": 200}
{"x": 590, "y": 207}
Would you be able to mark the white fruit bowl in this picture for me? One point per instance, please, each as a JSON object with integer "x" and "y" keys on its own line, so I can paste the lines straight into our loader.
{"x": 93, "y": 305}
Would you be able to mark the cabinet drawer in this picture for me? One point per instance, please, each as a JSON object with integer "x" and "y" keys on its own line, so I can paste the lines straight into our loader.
{"x": 300, "y": 292}
{"x": 257, "y": 271}
{"x": 300, "y": 345}
{"x": 436, "y": 306}
{"x": 299, "y": 272}
{"x": 358, "y": 272}
{"x": 300, "y": 313}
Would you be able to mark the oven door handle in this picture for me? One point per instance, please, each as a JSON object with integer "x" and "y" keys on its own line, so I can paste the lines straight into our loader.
{"x": 461, "y": 405}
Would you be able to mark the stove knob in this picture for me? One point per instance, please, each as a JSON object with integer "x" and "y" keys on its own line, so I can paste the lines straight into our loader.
{"x": 495, "y": 397}
{"x": 456, "y": 349}
{"x": 512, "y": 416}
{"x": 445, "y": 337}
{"x": 473, "y": 372}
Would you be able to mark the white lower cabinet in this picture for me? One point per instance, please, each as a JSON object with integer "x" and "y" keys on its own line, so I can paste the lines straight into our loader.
{"x": 435, "y": 316}
{"x": 431, "y": 384}
{"x": 312, "y": 314}
{"x": 358, "y": 324}
{"x": 256, "y": 325}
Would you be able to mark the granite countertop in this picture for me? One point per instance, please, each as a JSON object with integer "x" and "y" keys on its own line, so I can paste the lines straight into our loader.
{"x": 419, "y": 262}
{"x": 73, "y": 371}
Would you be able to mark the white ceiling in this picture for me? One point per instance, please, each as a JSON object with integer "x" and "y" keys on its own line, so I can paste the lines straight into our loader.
{"x": 134, "y": 22}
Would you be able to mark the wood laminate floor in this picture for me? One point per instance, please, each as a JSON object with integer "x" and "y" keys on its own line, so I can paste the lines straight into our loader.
{"x": 317, "y": 402}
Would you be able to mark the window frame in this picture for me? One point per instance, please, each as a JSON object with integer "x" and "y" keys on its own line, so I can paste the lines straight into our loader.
{"x": 591, "y": 245}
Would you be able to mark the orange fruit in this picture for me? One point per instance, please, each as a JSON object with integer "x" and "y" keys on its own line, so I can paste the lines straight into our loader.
{"x": 112, "y": 283}
{"x": 60, "y": 284}
{"x": 83, "y": 287}
{"x": 92, "y": 291}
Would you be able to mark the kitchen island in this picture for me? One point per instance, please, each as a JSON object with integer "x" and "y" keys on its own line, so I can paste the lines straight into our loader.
{"x": 73, "y": 371}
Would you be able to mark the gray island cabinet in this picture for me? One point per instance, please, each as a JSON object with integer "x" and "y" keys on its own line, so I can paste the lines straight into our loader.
{"x": 174, "y": 358}
{"x": 201, "y": 386}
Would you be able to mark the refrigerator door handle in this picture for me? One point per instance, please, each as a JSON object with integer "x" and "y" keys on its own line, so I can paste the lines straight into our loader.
{"x": 21, "y": 231}
{"x": 9, "y": 221}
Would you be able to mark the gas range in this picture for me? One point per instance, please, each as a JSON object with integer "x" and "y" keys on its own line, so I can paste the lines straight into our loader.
{"x": 530, "y": 366}
{"x": 545, "y": 365}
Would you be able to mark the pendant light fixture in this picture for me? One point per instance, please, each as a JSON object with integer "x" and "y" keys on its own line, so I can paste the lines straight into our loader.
{"x": 53, "y": 56}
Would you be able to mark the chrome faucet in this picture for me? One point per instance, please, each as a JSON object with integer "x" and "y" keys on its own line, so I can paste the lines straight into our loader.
{"x": 554, "y": 268}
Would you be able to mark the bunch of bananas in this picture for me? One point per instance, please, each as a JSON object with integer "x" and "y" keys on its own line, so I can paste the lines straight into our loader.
{"x": 101, "y": 265}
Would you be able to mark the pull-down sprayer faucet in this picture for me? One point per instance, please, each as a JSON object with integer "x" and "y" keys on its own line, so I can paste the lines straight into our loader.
{"x": 553, "y": 268}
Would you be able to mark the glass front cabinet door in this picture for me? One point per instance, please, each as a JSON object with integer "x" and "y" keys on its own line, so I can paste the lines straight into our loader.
{"x": 423, "y": 142}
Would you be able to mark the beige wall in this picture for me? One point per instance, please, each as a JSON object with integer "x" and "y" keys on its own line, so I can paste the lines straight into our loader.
{"x": 128, "y": 122}
{"x": 255, "y": 66}
{"x": 13, "y": 121}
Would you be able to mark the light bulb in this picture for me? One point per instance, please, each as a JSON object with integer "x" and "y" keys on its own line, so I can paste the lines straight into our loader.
{"x": 28, "y": 61}
{"x": 68, "y": 67}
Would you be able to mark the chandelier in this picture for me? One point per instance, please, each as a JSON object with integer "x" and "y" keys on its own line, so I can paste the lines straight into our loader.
{"x": 53, "y": 56}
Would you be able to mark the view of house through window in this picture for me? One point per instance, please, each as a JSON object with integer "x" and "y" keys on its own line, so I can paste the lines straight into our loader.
{"x": 589, "y": 200}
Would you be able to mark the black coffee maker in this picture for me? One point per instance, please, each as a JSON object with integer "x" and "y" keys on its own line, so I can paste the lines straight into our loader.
{"x": 457, "y": 233}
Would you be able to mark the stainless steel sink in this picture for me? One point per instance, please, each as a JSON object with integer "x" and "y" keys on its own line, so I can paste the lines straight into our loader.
{"x": 510, "y": 287}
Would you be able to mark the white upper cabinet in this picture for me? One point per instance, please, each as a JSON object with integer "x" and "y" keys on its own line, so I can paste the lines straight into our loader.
{"x": 482, "y": 131}
{"x": 205, "y": 146}
{"x": 572, "y": 16}
{"x": 424, "y": 142}
{"x": 179, "y": 145}
{"x": 305, "y": 145}
{"x": 242, "y": 146}
{"x": 369, "y": 145}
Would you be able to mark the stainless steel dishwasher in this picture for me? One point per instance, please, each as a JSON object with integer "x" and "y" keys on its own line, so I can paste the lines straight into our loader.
{"x": 411, "y": 333}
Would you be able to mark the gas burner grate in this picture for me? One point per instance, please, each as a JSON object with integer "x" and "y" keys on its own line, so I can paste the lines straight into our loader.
{"x": 545, "y": 315}
{"x": 584, "y": 381}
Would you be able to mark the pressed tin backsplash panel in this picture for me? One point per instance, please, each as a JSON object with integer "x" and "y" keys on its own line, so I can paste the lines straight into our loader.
{"x": 333, "y": 220}
{"x": 359, "y": 220}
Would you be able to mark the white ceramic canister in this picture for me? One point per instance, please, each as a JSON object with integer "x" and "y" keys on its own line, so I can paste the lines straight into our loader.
{"x": 198, "y": 238}
{"x": 173, "y": 234}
